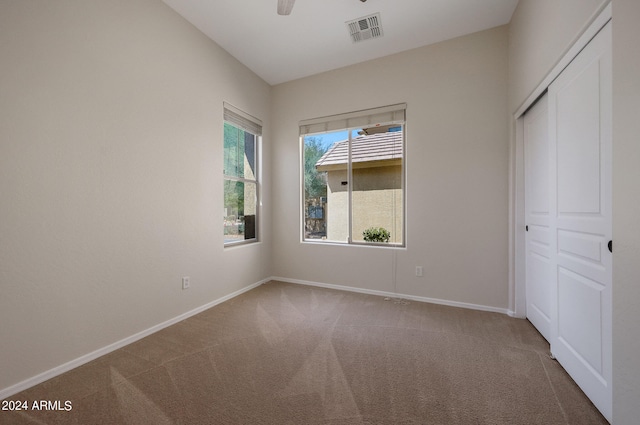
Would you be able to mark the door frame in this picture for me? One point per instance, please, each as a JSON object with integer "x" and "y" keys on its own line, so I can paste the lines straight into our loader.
{"x": 517, "y": 248}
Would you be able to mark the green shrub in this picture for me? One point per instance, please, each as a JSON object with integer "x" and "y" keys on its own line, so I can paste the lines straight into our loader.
{"x": 376, "y": 234}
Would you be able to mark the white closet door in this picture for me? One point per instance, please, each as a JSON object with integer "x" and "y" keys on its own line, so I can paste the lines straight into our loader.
{"x": 581, "y": 223}
{"x": 538, "y": 266}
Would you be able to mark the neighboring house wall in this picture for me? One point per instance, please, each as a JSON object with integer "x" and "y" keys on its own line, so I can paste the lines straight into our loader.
{"x": 377, "y": 200}
{"x": 377, "y": 192}
{"x": 337, "y": 207}
{"x": 250, "y": 190}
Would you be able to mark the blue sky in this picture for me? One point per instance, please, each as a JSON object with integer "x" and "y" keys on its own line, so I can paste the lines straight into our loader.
{"x": 330, "y": 138}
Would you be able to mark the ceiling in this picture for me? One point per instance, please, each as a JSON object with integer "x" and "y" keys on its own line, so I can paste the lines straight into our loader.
{"x": 315, "y": 38}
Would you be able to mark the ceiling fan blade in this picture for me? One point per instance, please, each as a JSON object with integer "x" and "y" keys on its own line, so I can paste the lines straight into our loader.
{"x": 285, "y": 6}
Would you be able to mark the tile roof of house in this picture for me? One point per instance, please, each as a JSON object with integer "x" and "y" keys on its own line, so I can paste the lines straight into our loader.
{"x": 365, "y": 148}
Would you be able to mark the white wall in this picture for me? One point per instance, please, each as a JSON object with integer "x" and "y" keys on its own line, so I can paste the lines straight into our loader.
{"x": 539, "y": 33}
{"x": 457, "y": 165}
{"x": 626, "y": 211}
{"x": 110, "y": 176}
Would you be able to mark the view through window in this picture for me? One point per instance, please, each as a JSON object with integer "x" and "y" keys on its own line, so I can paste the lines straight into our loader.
{"x": 354, "y": 184}
{"x": 240, "y": 178}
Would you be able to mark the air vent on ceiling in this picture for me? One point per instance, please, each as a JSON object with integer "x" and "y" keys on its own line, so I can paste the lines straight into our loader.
{"x": 365, "y": 28}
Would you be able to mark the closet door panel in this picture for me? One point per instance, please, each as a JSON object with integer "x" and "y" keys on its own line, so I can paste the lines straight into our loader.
{"x": 580, "y": 166}
{"x": 538, "y": 266}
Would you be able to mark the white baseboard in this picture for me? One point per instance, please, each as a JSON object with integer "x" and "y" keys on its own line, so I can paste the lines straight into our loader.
{"x": 395, "y": 295}
{"x": 58, "y": 370}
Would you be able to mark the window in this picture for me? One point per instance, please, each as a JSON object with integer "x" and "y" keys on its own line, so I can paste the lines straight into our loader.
{"x": 353, "y": 177}
{"x": 241, "y": 137}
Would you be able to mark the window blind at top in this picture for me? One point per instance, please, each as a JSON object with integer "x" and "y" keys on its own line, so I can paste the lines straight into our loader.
{"x": 242, "y": 120}
{"x": 392, "y": 114}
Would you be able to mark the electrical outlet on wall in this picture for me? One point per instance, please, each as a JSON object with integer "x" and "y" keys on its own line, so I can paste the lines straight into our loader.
{"x": 186, "y": 282}
{"x": 419, "y": 271}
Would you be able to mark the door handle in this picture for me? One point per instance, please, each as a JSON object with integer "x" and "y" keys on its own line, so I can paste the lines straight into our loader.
{"x": 610, "y": 246}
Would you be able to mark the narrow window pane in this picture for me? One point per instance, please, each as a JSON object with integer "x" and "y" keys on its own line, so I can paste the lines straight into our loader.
{"x": 240, "y": 184}
{"x": 376, "y": 191}
{"x": 239, "y": 211}
{"x": 315, "y": 188}
{"x": 239, "y": 152}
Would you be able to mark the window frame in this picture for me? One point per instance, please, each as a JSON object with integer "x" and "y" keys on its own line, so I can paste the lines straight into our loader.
{"x": 383, "y": 116}
{"x": 252, "y": 125}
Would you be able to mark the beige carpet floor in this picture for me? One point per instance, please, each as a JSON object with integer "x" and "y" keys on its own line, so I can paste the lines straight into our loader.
{"x": 290, "y": 354}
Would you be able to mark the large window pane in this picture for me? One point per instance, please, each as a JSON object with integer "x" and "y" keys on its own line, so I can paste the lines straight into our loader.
{"x": 353, "y": 183}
